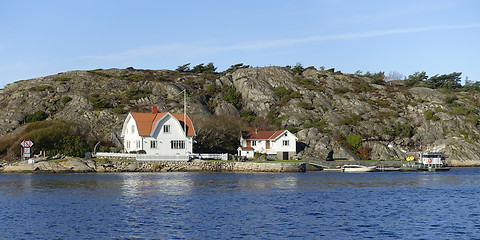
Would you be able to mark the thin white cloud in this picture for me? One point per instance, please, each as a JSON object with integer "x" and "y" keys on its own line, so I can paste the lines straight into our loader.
{"x": 205, "y": 47}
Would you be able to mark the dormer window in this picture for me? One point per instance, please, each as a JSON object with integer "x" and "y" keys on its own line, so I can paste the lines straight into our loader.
{"x": 166, "y": 128}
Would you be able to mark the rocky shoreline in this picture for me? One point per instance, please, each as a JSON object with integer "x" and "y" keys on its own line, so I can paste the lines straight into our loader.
{"x": 78, "y": 165}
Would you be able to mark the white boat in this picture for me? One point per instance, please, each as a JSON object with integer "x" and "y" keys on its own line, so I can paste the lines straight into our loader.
{"x": 358, "y": 168}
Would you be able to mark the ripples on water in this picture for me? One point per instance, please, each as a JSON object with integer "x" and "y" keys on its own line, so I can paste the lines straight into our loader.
{"x": 312, "y": 205}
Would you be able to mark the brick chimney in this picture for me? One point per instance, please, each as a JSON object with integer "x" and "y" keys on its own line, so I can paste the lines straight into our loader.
{"x": 154, "y": 110}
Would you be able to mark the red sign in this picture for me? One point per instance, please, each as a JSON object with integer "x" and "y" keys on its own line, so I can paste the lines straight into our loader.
{"x": 26, "y": 144}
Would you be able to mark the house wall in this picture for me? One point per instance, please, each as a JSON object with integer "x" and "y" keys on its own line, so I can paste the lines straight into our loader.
{"x": 164, "y": 139}
{"x": 163, "y": 145}
{"x": 276, "y": 146}
{"x": 132, "y": 141}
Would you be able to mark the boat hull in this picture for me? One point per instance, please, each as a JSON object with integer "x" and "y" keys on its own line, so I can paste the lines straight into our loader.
{"x": 364, "y": 169}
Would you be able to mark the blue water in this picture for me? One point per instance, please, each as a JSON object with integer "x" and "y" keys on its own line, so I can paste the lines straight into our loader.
{"x": 314, "y": 205}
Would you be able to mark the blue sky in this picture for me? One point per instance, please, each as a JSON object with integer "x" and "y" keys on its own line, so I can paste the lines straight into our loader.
{"x": 40, "y": 38}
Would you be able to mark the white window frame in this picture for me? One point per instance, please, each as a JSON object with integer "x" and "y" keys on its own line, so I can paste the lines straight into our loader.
{"x": 286, "y": 143}
{"x": 133, "y": 128}
{"x": 153, "y": 144}
{"x": 127, "y": 144}
{"x": 167, "y": 128}
{"x": 138, "y": 144}
{"x": 177, "y": 144}
{"x": 254, "y": 143}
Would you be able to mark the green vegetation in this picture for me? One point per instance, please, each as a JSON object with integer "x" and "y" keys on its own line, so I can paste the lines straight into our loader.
{"x": 200, "y": 68}
{"x": 235, "y": 67}
{"x": 233, "y": 97}
{"x": 41, "y": 88}
{"x": 305, "y": 105}
{"x": 51, "y": 136}
{"x": 285, "y": 94}
{"x": 135, "y": 93}
{"x": 353, "y": 120}
{"x": 65, "y": 99}
{"x": 430, "y": 115}
{"x": 354, "y": 140}
{"x": 97, "y": 101}
{"x": 36, "y": 117}
{"x": 62, "y": 79}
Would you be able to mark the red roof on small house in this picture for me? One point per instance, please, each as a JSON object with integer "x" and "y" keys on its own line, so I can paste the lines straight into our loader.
{"x": 262, "y": 135}
{"x": 147, "y": 121}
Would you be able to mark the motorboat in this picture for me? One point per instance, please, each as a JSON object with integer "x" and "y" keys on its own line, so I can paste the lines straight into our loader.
{"x": 358, "y": 168}
{"x": 428, "y": 161}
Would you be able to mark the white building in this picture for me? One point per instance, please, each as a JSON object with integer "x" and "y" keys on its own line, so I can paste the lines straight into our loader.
{"x": 280, "y": 144}
{"x": 158, "y": 133}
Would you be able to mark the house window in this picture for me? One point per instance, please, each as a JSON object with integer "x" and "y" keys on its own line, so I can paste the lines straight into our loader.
{"x": 178, "y": 144}
{"x": 127, "y": 144}
{"x": 166, "y": 128}
{"x": 285, "y": 143}
{"x": 138, "y": 144}
{"x": 153, "y": 144}
{"x": 254, "y": 143}
{"x": 133, "y": 128}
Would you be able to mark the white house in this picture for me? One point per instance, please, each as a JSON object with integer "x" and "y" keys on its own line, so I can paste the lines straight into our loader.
{"x": 157, "y": 133}
{"x": 282, "y": 144}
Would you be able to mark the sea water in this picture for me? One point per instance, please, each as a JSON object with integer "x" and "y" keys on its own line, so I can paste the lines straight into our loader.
{"x": 312, "y": 205}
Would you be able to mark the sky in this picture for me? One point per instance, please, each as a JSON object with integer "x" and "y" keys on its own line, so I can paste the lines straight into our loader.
{"x": 41, "y": 38}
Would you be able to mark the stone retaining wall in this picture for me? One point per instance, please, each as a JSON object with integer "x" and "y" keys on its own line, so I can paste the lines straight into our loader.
{"x": 82, "y": 165}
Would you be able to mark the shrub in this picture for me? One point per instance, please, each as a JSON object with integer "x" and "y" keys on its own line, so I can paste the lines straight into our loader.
{"x": 36, "y": 117}
{"x": 97, "y": 102}
{"x": 211, "y": 89}
{"x": 66, "y": 99}
{"x": 354, "y": 140}
{"x": 341, "y": 90}
{"x": 135, "y": 77}
{"x": 430, "y": 115}
{"x": 62, "y": 79}
{"x": 40, "y": 88}
{"x": 233, "y": 97}
{"x": 135, "y": 93}
{"x": 248, "y": 115}
{"x": 305, "y": 105}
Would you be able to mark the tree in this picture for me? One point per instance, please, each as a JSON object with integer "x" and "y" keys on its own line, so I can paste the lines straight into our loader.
{"x": 447, "y": 81}
{"x": 393, "y": 76}
{"x": 235, "y": 67}
{"x": 183, "y": 68}
{"x": 354, "y": 140}
{"x": 415, "y": 79}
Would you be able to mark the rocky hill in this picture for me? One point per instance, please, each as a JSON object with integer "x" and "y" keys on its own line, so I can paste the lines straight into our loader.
{"x": 326, "y": 110}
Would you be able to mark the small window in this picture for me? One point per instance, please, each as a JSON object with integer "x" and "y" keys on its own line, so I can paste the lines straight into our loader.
{"x": 153, "y": 144}
{"x": 138, "y": 144}
{"x": 166, "y": 128}
{"x": 127, "y": 144}
{"x": 133, "y": 128}
{"x": 254, "y": 143}
{"x": 286, "y": 143}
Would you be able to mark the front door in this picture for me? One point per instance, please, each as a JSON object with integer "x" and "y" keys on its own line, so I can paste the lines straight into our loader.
{"x": 285, "y": 155}
{"x": 268, "y": 144}
{"x": 249, "y": 143}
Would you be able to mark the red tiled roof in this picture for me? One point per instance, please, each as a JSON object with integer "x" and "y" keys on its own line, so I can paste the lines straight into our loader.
{"x": 262, "y": 135}
{"x": 146, "y": 122}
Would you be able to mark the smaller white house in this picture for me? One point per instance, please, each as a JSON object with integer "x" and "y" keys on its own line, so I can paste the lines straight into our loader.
{"x": 167, "y": 134}
{"x": 280, "y": 144}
